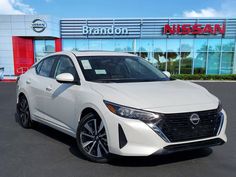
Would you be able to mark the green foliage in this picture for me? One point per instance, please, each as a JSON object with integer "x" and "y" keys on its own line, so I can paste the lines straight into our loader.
{"x": 204, "y": 77}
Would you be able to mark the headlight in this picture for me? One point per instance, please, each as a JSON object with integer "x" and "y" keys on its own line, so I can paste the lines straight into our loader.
{"x": 132, "y": 113}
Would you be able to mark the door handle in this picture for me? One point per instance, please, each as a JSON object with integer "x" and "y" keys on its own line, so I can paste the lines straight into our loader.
{"x": 28, "y": 81}
{"x": 49, "y": 89}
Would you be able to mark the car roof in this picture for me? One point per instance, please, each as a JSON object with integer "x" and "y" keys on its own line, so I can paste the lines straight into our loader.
{"x": 100, "y": 53}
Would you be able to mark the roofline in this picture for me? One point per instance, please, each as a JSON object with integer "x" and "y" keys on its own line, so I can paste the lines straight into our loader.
{"x": 148, "y": 18}
{"x": 99, "y": 53}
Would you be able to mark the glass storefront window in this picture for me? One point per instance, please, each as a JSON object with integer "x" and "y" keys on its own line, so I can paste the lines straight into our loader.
{"x": 227, "y": 62}
{"x": 81, "y": 45}
{"x": 173, "y": 55}
{"x": 49, "y": 46}
{"x": 228, "y": 45}
{"x": 214, "y": 45}
{"x": 125, "y": 45}
{"x": 39, "y": 46}
{"x": 43, "y": 48}
{"x": 144, "y": 48}
{"x": 173, "y": 45}
{"x": 200, "y": 45}
{"x": 186, "y": 62}
{"x": 186, "y": 45}
{"x": 160, "y": 58}
{"x": 200, "y": 62}
{"x": 173, "y": 59}
{"x": 95, "y": 44}
{"x": 68, "y": 44}
{"x": 213, "y": 63}
{"x": 108, "y": 45}
{"x": 159, "y": 53}
{"x": 186, "y": 56}
{"x": 159, "y": 45}
{"x": 144, "y": 45}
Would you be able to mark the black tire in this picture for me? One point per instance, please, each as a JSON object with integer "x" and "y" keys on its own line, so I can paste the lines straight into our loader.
{"x": 23, "y": 112}
{"x": 92, "y": 138}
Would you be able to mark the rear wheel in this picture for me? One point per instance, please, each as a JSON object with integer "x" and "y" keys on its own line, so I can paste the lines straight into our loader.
{"x": 24, "y": 113}
{"x": 92, "y": 138}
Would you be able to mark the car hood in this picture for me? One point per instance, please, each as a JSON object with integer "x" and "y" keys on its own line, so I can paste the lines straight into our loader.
{"x": 162, "y": 96}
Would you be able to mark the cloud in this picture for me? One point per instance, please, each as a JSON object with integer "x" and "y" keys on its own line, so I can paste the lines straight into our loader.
{"x": 208, "y": 12}
{"x": 15, "y": 7}
{"x": 226, "y": 9}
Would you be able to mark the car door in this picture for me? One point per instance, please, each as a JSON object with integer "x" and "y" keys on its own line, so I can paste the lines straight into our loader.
{"x": 62, "y": 98}
{"x": 39, "y": 83}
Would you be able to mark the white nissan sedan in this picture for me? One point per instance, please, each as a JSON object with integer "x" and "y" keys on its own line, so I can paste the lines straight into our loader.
{"x": 118, "y": 103}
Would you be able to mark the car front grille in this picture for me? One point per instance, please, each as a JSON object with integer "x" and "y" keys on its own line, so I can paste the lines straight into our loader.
{"x": 178, "y": 127}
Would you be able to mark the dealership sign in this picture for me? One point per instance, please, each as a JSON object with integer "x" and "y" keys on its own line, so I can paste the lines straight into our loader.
{"x": 196, "y": 29}
{"x": 86, "y": 30}
{"x": 38, "y": 25}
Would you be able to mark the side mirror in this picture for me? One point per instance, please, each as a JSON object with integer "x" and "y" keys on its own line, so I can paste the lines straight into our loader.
{"x": 65, "y": 78}
{"x": 167, "y": 73}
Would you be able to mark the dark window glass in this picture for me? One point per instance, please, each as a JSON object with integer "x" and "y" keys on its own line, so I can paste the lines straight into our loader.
{"x": 186, "y": 56}
{"x": 173, "y": 55}
{"x": 65, "y": 65}
{"x": 228, "y": 44}
{"x": 186, "y": 62}
{"x": 38, "y": 67}
{"x": 47, "y": 66}
{"x": 119, "y": 69}
{"x": 213, "y": 63}
{"x": 173, "y": 59}
{"x": 200, "y": 63}
{"x": 214, "y": 45}
{"x": 200, "y": 45}
{"x": 227, "y": 62}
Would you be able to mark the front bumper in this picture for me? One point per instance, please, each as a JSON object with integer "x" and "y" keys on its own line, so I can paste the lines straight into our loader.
{"x": 141, "y": 140}
{"x": 189, "y": 146}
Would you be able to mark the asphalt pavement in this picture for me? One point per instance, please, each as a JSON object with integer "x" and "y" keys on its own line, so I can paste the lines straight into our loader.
{"x": 45, "y": 152}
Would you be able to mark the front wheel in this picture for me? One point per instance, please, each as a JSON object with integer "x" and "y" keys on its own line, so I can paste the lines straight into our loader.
{"x": 92, "y": 138}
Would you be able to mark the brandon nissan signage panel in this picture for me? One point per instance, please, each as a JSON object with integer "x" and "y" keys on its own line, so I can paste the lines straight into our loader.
{"x": 146, "y": 28}
{"x": 196, "y": 29}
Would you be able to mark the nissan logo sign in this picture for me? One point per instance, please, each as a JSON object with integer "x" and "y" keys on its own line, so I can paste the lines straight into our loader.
{"x": 39, "y": 25}
{"x": 194, "y": 119}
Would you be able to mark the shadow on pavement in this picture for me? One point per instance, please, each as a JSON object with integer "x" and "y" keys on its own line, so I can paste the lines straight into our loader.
{"x": 124, "y": 161}
{"x": 160, "y": 159}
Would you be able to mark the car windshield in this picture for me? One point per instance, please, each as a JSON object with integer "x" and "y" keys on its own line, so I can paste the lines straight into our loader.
{"x": 119, "y": 69}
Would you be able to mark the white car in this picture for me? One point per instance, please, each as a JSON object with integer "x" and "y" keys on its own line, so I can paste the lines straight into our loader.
{"x": 118, "y": 103}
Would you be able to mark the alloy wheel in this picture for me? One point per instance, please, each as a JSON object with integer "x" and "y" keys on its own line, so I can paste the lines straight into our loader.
{"x": 93, "y": 139}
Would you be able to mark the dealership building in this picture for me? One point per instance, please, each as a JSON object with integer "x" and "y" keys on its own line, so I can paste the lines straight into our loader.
{"x": 178, "y": 45}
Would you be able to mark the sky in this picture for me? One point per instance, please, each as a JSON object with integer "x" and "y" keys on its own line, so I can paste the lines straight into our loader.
{"x": 121, "y": 8}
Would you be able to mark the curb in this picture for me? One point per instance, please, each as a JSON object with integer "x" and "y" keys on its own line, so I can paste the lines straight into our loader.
{"x": 211, "y": 80}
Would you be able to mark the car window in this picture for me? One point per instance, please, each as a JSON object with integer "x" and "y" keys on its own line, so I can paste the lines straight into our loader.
{"x": 47, "y": 66}
{"x": 119, "y": 69}
{"x": 38, "y": 67}
{"x": 65, "y": 65}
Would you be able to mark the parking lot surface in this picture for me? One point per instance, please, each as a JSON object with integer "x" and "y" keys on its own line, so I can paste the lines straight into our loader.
{"x": 45, "y": 152}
